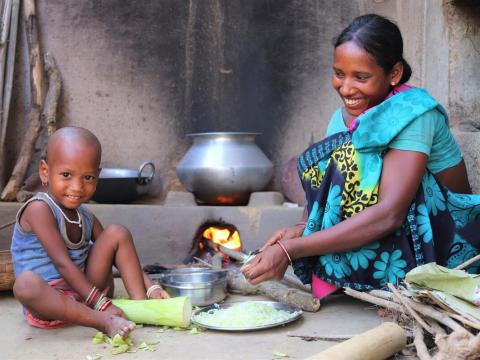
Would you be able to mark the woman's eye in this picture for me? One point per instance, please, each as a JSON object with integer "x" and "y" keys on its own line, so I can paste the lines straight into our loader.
{"x": 362, "y": 77}
{"x": 338, "y": 74}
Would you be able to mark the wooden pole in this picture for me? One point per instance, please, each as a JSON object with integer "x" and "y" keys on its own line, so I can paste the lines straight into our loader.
{"x": 36, "y": 105}
{"x": 377, "y": 344}
{"x": 9, "y": 71}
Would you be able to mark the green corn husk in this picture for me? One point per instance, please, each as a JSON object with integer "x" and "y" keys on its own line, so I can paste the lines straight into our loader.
{"x": 175, "y": 312}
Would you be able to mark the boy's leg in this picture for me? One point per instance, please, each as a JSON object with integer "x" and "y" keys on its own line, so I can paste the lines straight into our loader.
{"x": 115, "y": 246}
{"x": 46, "y": 303}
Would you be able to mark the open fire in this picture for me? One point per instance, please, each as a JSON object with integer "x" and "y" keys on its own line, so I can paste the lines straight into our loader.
{"x": 214, "y": 232}
{"x": 224, "y": 237}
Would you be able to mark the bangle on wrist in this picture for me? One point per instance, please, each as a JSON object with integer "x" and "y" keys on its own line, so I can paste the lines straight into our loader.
{"x": 151, "y": 289}
{"x": 286, "y": 252}
{"x": 92, "y": 296}
{"x": 303, "y": 224}
{"x": 102, "y": 303}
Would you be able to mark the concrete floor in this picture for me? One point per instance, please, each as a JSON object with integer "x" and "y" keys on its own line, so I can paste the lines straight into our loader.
{"x": 161, "y": 231}
{"x": 339, "y": 315}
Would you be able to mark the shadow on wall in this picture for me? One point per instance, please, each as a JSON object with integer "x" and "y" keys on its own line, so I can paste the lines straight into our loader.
{"x": 234, "y": 64}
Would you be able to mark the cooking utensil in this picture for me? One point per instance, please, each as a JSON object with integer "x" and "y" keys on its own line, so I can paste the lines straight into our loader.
{"x": 117, "y": 185}
{"x": 223, "y": 168}
{"x": 203, "y": 286}
{"x": 295, "y": 312}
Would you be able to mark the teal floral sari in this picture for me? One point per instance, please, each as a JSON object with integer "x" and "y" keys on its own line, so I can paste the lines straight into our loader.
{"x": 341, "y": 176}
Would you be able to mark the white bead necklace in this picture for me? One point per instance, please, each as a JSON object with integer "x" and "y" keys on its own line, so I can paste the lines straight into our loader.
{"x": 76, "y": 222}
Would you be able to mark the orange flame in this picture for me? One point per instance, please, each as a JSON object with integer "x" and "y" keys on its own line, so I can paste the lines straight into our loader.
{"x": 222, "y": 237}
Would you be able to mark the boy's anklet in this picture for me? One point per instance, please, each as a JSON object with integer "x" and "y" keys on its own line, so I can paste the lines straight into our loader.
{"x": 151, "y": 289}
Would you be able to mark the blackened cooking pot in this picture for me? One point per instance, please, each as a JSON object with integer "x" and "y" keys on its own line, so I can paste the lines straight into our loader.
{"x": 117, "y": 185}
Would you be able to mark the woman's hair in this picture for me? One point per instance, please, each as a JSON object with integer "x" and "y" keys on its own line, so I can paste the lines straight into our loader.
{"x": 381, "y": 38}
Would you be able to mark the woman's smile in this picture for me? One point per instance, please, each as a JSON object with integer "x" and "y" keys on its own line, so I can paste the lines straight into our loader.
{"x": 358, "y": 79}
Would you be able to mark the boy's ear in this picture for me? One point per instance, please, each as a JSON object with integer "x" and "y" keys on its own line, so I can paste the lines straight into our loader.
{"x": 43, "y": 171}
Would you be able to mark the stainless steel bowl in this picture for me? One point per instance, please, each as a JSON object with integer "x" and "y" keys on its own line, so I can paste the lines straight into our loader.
{"x": 203, "y": 286}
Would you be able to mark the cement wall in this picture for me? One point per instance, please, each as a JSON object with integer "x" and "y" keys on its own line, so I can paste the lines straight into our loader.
{"x": 143, "y": 74}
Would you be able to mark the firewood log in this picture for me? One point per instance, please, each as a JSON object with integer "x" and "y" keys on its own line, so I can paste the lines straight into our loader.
{"x": 377, "y": 344}
{"x": 275, "y": 290}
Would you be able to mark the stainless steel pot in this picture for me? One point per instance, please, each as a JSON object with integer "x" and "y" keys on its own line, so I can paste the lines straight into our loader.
{"x": 203, "y": 286}
{"x": 223, "y": 168}
{"x": 117, "y": 185}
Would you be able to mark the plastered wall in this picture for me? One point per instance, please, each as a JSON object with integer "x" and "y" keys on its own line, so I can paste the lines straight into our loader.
{"x": 143, "y": 74}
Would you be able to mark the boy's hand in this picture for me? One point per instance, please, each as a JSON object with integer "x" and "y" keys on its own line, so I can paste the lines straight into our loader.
{"x": 113, "y": 310}
{"x": 159, "y": 294}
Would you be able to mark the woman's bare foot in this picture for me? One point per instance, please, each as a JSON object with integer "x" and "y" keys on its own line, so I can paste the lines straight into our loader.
{"x": 159, "y": 294}
{"x": 117, "y": 325}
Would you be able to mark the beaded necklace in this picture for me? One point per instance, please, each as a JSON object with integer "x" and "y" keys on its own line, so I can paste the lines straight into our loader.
{"x": 76, "y": 222}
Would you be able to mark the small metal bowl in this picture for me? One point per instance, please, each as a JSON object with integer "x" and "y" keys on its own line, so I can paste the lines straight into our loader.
{"x": 203, "y": 286}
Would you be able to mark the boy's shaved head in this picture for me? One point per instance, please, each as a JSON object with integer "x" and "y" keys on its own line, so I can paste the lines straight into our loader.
{"x": 70, "y": 138}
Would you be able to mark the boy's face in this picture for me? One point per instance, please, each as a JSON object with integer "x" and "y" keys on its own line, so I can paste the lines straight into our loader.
{"x": 71, "y": 172}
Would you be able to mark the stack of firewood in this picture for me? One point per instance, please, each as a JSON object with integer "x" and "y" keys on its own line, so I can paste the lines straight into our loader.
{"x": 43, "y": 104}
{"x": 437, "y": 331}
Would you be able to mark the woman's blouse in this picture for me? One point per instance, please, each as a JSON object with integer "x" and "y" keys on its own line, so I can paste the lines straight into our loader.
{"x": 428, "y": 134}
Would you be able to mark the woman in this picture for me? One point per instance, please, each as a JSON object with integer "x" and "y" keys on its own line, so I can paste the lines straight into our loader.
{"x": 384, "y": 188}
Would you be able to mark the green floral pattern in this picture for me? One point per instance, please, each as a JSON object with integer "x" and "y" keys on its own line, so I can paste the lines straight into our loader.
{"x": 390, "y": 267}
{"x": 336, "y": 264}
{"x": 361, "y": 258}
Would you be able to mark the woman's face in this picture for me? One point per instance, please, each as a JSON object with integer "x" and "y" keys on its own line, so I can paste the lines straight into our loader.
{"x": 359, "y": 80}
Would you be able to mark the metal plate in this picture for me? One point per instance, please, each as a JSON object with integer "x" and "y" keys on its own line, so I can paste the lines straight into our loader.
{"x": 295, "y": 312}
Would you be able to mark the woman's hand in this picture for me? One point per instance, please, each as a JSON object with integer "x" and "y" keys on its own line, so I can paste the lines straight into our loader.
{"x": 271, "y": 263}
{"x": 284, "y": 234}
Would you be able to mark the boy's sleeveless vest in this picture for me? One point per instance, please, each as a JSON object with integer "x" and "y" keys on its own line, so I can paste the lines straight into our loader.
{"x": 28, "y": 253}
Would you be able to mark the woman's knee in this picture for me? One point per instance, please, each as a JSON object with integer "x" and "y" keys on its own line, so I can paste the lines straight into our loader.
{"x": 27, "y": 285}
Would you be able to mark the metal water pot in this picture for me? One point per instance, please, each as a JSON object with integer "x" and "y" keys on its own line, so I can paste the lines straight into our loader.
{"x": 223, "y": 168}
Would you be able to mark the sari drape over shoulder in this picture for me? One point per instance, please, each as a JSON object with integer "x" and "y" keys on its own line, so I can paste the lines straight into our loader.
{"x": 341, "y": 176}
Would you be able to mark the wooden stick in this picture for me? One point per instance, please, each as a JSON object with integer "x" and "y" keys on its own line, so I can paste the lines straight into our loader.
{"x": 5, "y": 25}
{"x": 468, "y": 262}
{"x": 275, "y": 290}
{"x": 412, "y": 312}
{"x": 7, "y": 94}
{"x": 49, "y": 114}
{"x": 36, "y": 89}
{"x": 377, "y": 344}
{"x": 468, "y": 322}
{"x": 36, "y": 63}
{"x": 382, "y": 294}
{"x": 430, "y": 312}
{"x": 4, "y": 28}
{"x": 336, "y": 338}
{"x": 422, "y": 350}
{"x": 374, "y": 300}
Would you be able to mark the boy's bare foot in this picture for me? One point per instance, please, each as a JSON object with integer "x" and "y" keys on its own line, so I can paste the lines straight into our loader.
{"x": 117, "y": 325}
{"x": 159, "y": 294}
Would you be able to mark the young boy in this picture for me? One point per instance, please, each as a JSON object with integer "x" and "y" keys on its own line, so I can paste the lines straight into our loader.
{"x": 62, "y": 255}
